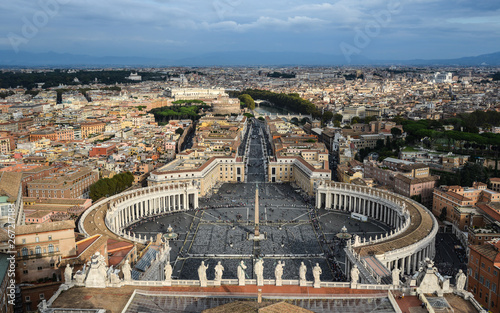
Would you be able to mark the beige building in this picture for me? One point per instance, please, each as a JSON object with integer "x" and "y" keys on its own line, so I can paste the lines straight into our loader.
{"x": 72, "y": 182}
{"x": 40, "y": 247}
{"x": 204, "y": 170}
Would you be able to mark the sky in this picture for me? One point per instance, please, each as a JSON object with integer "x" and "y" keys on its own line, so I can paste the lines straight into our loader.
{"x": 375, "y": 29}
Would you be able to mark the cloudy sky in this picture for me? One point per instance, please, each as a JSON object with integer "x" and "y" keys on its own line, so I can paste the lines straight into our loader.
{"x": 398, "y": 29}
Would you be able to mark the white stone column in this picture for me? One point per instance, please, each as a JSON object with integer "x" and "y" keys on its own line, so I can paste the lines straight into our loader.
{"x": 318, "y": 200}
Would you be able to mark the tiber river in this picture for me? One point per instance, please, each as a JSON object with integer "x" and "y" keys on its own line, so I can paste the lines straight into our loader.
{"x": 264, "y": 109}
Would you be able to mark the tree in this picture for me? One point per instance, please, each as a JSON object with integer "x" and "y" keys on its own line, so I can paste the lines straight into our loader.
{"x": 355, "y": 120}
{"x": 106, "y": 187}
{"x": 443, "y": 214}
{"x": 179, "y": 131}
{"x": 336, "y": 123}
{"x": 337, "y": 117}
{"x": 247, "y": 100}
{"x": 327, "y": 116}
{"x": 396, "y": 132}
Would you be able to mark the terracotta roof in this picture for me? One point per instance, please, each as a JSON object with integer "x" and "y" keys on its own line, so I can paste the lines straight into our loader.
{"x": 488, "y": 251}
{"x": 252, "y": 306}
{"x": 44, "y": 227}
{"x": 9, "y": 185}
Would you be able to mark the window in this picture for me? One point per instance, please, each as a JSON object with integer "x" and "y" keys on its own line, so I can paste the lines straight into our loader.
{"x": 25, "y": 251}
{"x": 494, "y": 287}
{"x": 51, "y": 248}
{"x": 482, "y": 264}
{"x": 37, "y": 239}
{"x": 27, "y": 299}
{"x": 481, "y": 279}
{"x": 495, "y": 272}
{"x": 50, "y": 237}
{"x": 25, "y": 271}
{"x": 42, "y": 296}
{"x": 39, "y": 268}
{"x": 24, "y": 241}
{"x": 38, "y": 250}
{"x": 487, "y": 284}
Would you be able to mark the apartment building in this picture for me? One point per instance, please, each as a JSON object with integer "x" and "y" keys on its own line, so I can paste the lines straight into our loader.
{"x": 446, "y": 198}
{"x": 68, "y": 182}
{"x": 88, "y": 129}
{"x": 483, "y": 277}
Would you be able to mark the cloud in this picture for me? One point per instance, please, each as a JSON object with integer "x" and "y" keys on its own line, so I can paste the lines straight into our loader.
{"x": 296, "y": 23}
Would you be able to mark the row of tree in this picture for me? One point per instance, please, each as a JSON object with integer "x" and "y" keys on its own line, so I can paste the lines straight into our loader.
{"x": 165, "y": 114}
{"x": 417, "y": 130}
{"x": 106, "y": 187}
{"x": 291, "y": 102}
{"x": 247, "y": 100}
{"x": 466, "y": 176}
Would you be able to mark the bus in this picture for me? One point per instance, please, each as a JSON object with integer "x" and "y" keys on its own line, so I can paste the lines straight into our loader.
{"x": 359, "y": 217}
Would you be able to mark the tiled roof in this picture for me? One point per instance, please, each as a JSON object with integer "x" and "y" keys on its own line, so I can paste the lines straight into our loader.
{"x": 421, "y": 225}
{"x": 44, "y": 227}
{"x": 9, "y": 185}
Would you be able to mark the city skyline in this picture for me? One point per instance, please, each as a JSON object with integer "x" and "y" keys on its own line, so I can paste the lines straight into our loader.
{"x": 394, "y": 30}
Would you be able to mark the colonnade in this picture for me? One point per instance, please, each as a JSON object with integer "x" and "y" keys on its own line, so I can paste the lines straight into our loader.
{"x": 129, "y": 207}
{"x": 410, "y": 244}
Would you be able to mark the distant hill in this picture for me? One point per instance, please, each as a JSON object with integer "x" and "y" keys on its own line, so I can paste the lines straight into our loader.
{"x": 232, "y": 58}
{"x": 491, "y": 59}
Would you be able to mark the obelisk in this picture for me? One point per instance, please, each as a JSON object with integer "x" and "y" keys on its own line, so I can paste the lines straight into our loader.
{"x": 256, "y": 234}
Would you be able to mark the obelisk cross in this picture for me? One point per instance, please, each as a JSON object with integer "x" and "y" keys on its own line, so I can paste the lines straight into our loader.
{"x": 256, "y": 211}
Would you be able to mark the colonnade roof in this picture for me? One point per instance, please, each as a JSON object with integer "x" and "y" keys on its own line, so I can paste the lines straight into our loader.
{"x": 420, "y": 226}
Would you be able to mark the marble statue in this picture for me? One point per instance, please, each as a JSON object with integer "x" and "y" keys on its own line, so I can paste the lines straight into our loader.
{"x": 113, "y": 276}
{"x": 395, "y": 276}
{"x": 103, "y": 268}
{"x": 259, "y": 272}
{"x": 316, "y": 274}
{"x": 97, "y": 276}
{"x": 278, "y": 273}
{"x": 241, "y": 273}
{"x": 302, "y": 274}
{"x": 460, "y": 280}
{"x": 202, "y": 274}
{"x": 354, "y": 274}
{"x": 127, "y": 271}
{"x": 68, "y": 271}
{"x": 168, "y": 272}
{"x": 219, "y": 269}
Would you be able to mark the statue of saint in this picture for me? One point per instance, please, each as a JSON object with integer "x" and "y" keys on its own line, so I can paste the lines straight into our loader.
{"x": 241, "y": 273}
{"x": 202, "y": 274}
{"x": 127, "y": 276}
{"x": 395, "y": 276}
{"x": 219, "y": 269}
{"x": 302, "y": 271}
{"x": 354, "y": 274}
{"x": 278, "y": 273}
{"x": 460, "y": 280}
{"x": 68, "y": 271}
{"x": 168, "y": 271}
{"x": 259, "y": 272}
{"x": 316, "y": 274}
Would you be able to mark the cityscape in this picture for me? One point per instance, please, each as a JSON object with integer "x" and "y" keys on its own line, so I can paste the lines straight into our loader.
{"x": 249, "y": 157}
